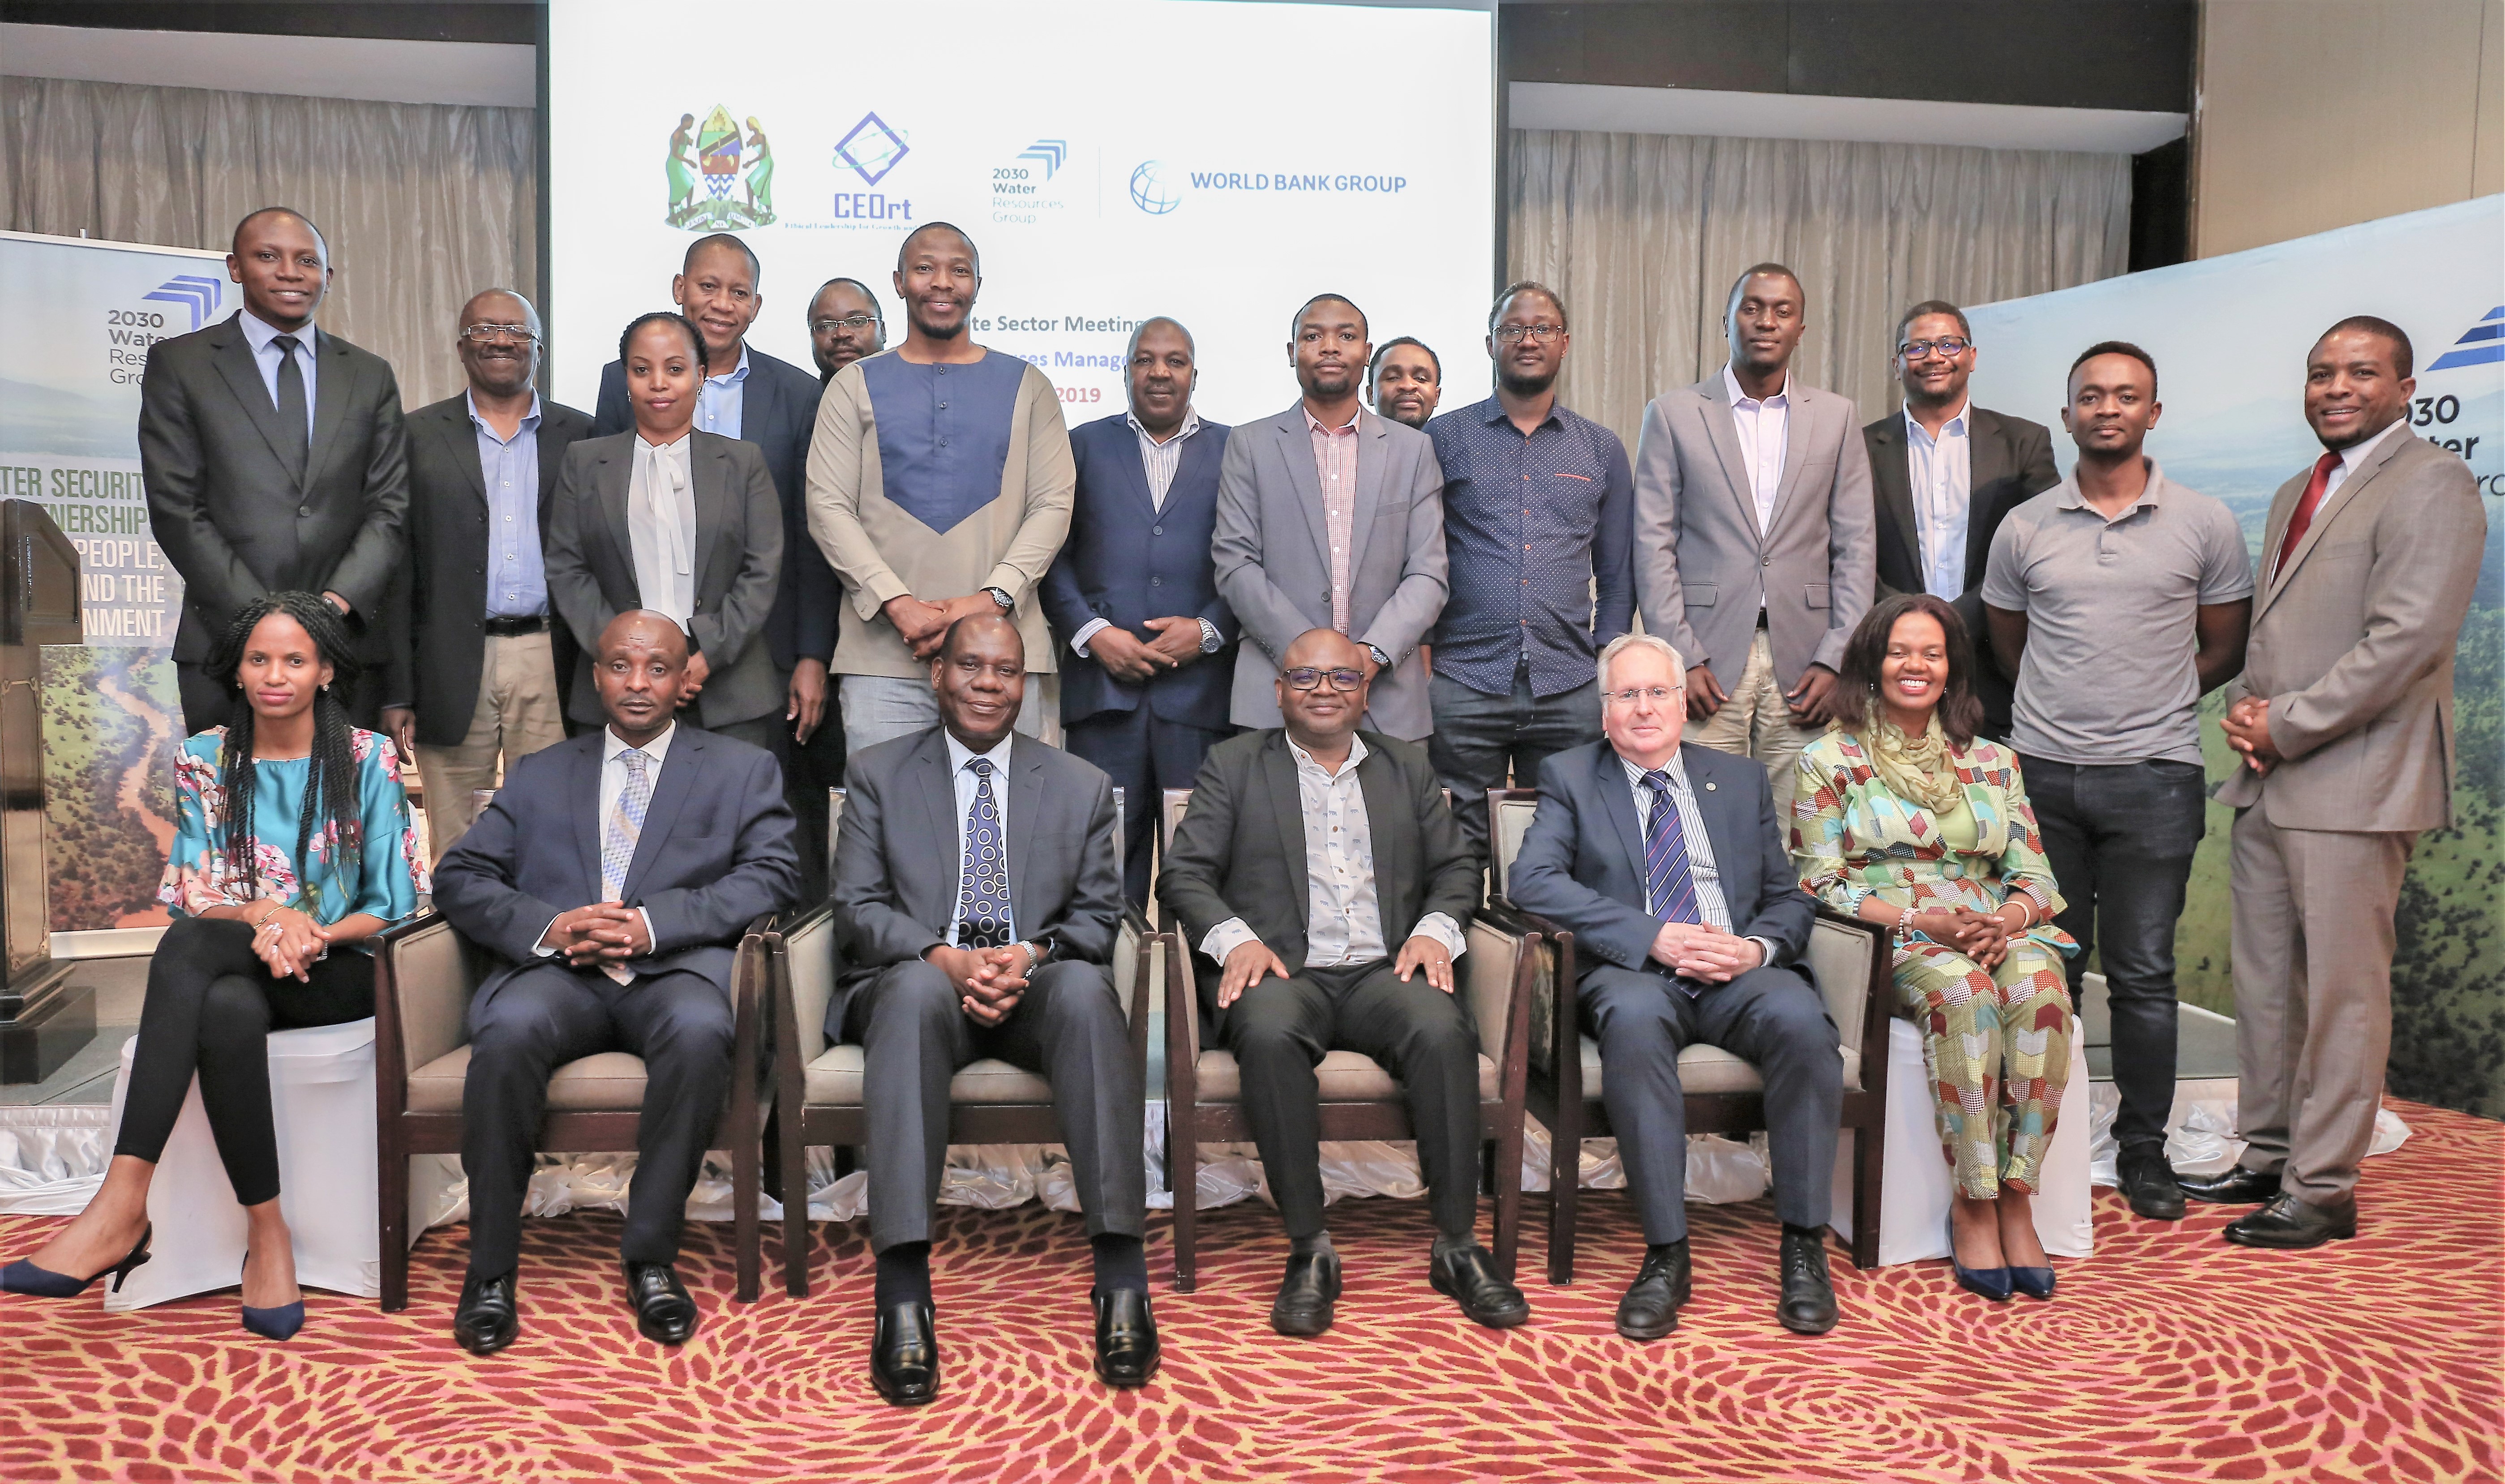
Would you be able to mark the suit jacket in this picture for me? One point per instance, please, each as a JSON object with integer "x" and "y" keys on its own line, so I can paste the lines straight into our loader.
{"x": 1239, "y": 851}
{"x": 1274, "y": 566}
{"x": 2012, "y": 463}
{"x": 1127, "y": 561}
{"x": 716, "y": 853}
{"x": 437, "y": 609}
{"x": 778, "y": 411}
{"x": 739, "y": 553}
{"x": 1582, "y": 860}
{"x": 1703, "y": 565}
{"x": 2352, "y": 642}
{"x": 231, "y": 518}
{"x": 898, "y": 865}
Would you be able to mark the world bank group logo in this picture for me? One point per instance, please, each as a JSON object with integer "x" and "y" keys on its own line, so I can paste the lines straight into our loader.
{"x": 872, "y": 149}
{"x": 721, "y": 173}
{"x": 198, "y": 294}
{"x": 2480, "y": 345}
{"x": 1156, "y": 188}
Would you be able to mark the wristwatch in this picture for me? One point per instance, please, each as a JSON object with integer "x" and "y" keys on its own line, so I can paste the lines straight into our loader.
{"x": 1382, "y": 661}
{"x": 1001, "y": 595}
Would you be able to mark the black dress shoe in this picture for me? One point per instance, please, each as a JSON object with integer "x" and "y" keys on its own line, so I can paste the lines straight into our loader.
{"x": 2148, "y": 1182}
{"x": 487, "y": 1319}
{"x": 1126, "y": 1337}
{"x": 1468, "y": 1274}
{"x": 663, "y": 1311}
{"x": 2288, "y": 1224}
{"x": 1650, "y": 1309}
{"x": 1306, "y": 1294}
{"x": 2237, "y": 1187}
{"x": 904, "y": 1355}
{"x": 1808, "y": 1304}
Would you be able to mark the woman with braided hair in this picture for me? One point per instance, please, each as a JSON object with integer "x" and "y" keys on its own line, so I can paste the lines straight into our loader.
{"x": 293, "y": 848}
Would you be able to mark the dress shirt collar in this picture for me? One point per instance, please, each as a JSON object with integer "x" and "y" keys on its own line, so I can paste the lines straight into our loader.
{"x": 1741, "y": 399}
{"x": 658, "y": 748}
{"x": 1191, "y": 426}
{"x": 1954, "y": 427}
{"x": 2357, "y": 452}
{"x": 530, "y": 422}
{"x": 1676, "y": 770}
{"x": 1491, "y": 411}
{"x": 1314, "y": 423}
{"x": 737, "y": 373}
{"x": 958, "y": 753}
{"x": 676, "y": 448}
{"x": 259, "y": 332}
{"x": 1306, "y": 759}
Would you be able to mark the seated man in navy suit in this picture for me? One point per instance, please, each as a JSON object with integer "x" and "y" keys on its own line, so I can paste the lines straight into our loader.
{"x": 615, "y": 875}
{"x": 1134, "y": 593}
{"x": 1668, "y": 864}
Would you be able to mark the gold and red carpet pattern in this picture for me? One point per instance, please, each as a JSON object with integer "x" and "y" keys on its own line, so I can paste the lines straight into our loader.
{"x": 2170, "y": 1355}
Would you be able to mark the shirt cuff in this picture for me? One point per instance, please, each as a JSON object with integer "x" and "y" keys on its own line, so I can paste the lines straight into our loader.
{"x": 1226, "y": 937}
{"x": 1086, "y": 632}
{"x": 652, "y": 943}
{"x": 540, "y": 948}
{"x": 1442, "y": 929}
{"x": 1210, "y": 639}
{"x": 1768, "y": 947}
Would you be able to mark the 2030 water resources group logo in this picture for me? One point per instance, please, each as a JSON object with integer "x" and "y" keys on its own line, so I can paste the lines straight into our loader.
{"x": 722, "y": 178}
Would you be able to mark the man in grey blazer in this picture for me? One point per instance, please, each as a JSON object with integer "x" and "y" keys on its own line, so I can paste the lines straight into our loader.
{"x": 608, "y": 534}
{"x": 2344, "y": 721}
{"x": 1331, "y": 517}
{"x": 977, "y": 897}
{"x": 1754, "y": 555}
{"x": 274, "y": 458}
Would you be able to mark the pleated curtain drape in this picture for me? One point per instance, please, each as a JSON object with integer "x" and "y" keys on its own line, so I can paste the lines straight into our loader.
{"x": 423, "y": 203}
{"x": 1643, "y": 234}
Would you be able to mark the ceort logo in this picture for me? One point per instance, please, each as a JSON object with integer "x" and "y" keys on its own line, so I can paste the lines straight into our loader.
{"x": 1154, "y": 188}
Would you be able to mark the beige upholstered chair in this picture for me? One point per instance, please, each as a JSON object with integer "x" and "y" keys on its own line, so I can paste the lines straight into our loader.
{"x": 1359, "y": 1100}
{"x": 1848, "y": 960}
{"x": 427, "y": 973}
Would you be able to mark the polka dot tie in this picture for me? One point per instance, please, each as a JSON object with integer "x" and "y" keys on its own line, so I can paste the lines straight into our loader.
{"x": 984, "y": 892}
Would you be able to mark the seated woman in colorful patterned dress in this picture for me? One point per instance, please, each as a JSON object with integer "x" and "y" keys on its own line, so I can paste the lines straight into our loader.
{"x": 1904, "y": 817}
{"x": 293, "y": 848}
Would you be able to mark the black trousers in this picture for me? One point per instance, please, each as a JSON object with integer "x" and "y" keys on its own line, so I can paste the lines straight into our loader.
{"x": 1483, "y": 741}
{"x": 914, "y": 1037}
{"x": 211, "y": 1006}
{"x": 2120, "y": 839}
{"x": 809, "y": 770}
{"x": 1280, "y": 1031}
{"x": 550, "y": 1015}
{"x": 1770, "y": 1017}
{"x": 1144, "y": 755}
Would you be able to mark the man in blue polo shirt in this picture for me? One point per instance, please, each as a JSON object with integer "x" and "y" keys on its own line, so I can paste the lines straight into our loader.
{"x": 1540, "y": 531}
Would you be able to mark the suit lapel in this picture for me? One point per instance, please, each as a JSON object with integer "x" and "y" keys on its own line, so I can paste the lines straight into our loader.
{"x": 1723, "y": 428}
{"x": 1199, "y": 454}
{"x": 678, "y": 774}
{"x": 1609, "y": 776}
{"x": 584, "y": 786}
{"x": 1891, "y": 484}
{"x": 615, "y": 480}
{"x": 1026, "y": 806}
{"x": 1724, "y": 831}
{"x": 2326, "y": 512}
{"x": 1296, "y": 445}
{"x": 331, "y": 393}
{"x": 1988, "y": 463}
{"x": 934, "y": 781}
{"x": 1387, "y": 821}
{"x": 1373, "y": 447}
{"x": 552, "y": 447}
{"x": 709, "y": 490}
{"x": 1287, "y": 811}
{"x": 1800, "y": 410}
{"x": 243, "y": 379}
{"x": 460, "y": 438}
{"x": 1133, "y": 462}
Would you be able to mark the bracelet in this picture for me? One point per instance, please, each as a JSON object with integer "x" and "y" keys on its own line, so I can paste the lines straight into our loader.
{"x": 263, "y": 920}
{"x": 1905, "y": 921}
{"x": 2026, "y": 908}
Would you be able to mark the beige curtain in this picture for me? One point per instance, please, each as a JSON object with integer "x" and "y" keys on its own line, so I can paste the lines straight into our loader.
{"x": 1643, "y": 235}
{"x": 423, "y": 204}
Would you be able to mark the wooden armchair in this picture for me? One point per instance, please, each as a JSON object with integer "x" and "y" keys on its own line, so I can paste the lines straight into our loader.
{"x": 1359, "y": 1100}
{"x": 1848, "y": 961}
{"x": 425, "y": 973}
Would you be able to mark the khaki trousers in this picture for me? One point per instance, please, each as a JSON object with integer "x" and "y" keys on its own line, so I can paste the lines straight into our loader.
{"x": 1754, "y": 723}
{"x": 518, "y": 712}
{"x": 2312, "y": 962}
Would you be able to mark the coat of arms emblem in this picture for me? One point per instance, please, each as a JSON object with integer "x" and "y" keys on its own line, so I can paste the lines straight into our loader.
{"x": 721, "y": 174}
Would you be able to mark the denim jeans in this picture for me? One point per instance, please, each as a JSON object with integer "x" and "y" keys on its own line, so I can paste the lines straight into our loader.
{"x": 1481, "y": 741}
{"x": 2120, "y": 839}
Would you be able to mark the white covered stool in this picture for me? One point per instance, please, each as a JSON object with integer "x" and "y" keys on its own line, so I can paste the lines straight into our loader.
{"x": 1917, "y": 1182}
{"x": 322, "y": 1101}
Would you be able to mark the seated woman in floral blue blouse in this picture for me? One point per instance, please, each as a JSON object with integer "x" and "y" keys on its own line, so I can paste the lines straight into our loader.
{"x": 292, "y": 847}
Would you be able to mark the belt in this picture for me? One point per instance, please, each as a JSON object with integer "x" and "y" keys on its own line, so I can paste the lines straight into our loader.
{"x": 507, "y": 628}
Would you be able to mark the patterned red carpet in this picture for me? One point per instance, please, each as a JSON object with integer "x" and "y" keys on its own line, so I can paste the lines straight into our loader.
{"x": 2168, "y": 1356}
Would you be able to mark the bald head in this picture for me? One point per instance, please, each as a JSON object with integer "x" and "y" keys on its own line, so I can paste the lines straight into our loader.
{"x": 640, "y": 672}
{"x": 1322, "y": 649}
{"x": 1321, "y": 715}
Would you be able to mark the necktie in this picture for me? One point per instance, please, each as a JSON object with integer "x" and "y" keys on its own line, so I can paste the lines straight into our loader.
{"x": 625, "y": 824}
{"x": 293, "y": 434}
{"x": 983, "y": 890}
{"x": 2307, "y": 504}
{"x": 1670, "y": 884}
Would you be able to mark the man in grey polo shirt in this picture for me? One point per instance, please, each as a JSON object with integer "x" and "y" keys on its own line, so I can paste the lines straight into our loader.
{"x": 2119, "y": 598}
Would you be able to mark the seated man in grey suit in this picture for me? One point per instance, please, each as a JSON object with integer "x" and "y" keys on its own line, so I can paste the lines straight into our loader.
{"x": 614, "y": 874}
{"x": 1303, "y": 850}
{"x": 1653, "y": 854}
{"x": 978, "y": 896}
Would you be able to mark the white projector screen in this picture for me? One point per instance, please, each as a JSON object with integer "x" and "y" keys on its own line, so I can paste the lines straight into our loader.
{"x": 1215, "y": 161}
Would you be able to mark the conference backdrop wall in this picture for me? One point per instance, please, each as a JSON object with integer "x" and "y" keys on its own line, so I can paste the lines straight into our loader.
{"x": 2230, "y": 336}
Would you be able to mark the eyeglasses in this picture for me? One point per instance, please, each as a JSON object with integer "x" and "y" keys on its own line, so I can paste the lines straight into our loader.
{"x": 1306, "y": 678}
{"x": 1948, "y": 345}
{"x": 488, "y": 335}
{"x": 856, "y": 323}
{"x": 1657, "y": 694}
{"x": 1515, "y": 334}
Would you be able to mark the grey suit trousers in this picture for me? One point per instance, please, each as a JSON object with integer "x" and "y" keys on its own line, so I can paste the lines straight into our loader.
{"x": 1769, "y": 1017}
{"x": 914, "y": 1035}
{"x": 2313, "y": 963}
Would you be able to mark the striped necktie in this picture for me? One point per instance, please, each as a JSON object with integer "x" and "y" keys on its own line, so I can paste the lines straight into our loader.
{"x": 1670, "y": 884}
{"x": 626, "y": 825}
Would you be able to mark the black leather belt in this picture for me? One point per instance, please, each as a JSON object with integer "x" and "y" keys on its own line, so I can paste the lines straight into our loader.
{"x": 507, "y": 628}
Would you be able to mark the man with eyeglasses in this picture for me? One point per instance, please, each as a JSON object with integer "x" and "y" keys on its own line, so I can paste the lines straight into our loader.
{"x": 472, "y": 684}
{"x": 1667, "y": 863}
{"x": 1540, "y": 532}
{"x": 1944, "y": 473}
{"x": 750, "y": 396}
{"x": 1308, "y": 851}
{"x": 1405, "y": 381}
{"x": 844, "y": 325}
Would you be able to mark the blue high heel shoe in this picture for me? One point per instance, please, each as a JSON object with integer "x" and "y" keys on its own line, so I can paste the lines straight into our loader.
{"x": 276, "y": 1323}
{"x": 23, "y": 1277}
{"x": 2033, "y": 1281}
{"x": 1993, "y": 1282}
